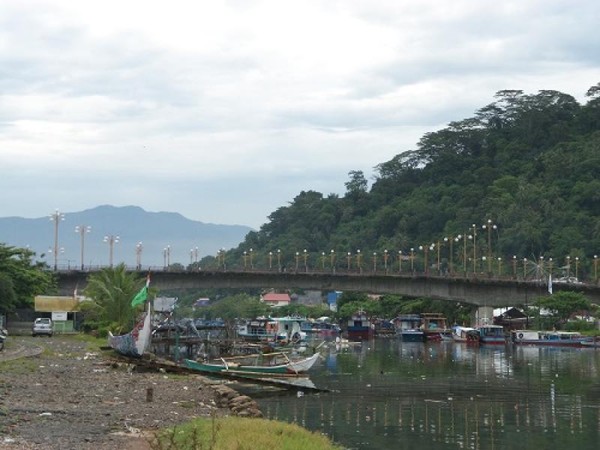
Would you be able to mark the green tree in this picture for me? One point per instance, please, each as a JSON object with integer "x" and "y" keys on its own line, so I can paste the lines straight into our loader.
{"x": 370, "y": 307}
{"x": 112, "y": 289}
{"x": 235, "y": 307}
{"x": 563, "y": 304}
{"x": 21, "y": 278}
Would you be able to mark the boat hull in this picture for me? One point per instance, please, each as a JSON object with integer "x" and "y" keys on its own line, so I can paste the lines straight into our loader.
{"x": 549, "y": 339}
{"x": 136, "y": 342}
{"x": 412, "y": 336}
{"x": 292, "y": 367}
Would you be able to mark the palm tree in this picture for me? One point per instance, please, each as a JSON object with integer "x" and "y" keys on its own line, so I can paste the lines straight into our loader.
{"x": 112, "y": 290}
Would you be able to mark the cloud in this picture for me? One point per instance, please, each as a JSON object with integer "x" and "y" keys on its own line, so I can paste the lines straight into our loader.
{"x": 225, "y": 111}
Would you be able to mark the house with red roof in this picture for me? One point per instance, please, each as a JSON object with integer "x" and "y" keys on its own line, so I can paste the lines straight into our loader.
{"x": 275, "y": 300}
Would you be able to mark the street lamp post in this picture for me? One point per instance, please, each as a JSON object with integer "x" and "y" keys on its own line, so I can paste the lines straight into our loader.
{"x": 221, "y": 259}
{"x": 374, "y": 262}
{"x": 577, "y": 267}
{"x": 56, "y": 217}
{"x": 305, "y": 260}
{"x": 138, "y": 255}
{"x": 439, "y": 246}
{"x": 270, "y": 260}
{"x": 279, "y": 260}
{"x": 489, "y": 226}
{"x": 514, "y": 263}
{"x": 596, "y": 268}
{"x": 412, "y": 260}
{"x": 323, "y": 258}
{"x": 385, "y": 260}
{"x": 568, "y": 266}
{"x": 399, "y": 261}
{"x": 332, "y": 256}
{"x": 524, "y": 268}
{"x": 349, "y": 260}
{"x": 474, "y": 248}
{"x": 167, "y": 257}
{"x": 297, "y": 260}
{"x": 499, "y": 266}
{"x": 358, "y": 255}
{"x": 450, "y": 240}
{"x": 111, "y": 240}
{"x": 251, "y": 259}
{"x": 194, "y": 255}
{"x": 245, "y": 258}
{"x": 82, "y": 230}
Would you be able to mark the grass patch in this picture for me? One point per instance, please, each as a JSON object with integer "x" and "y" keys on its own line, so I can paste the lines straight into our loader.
{"x": 94, "y": 343}
{"x": 236, "y": 433}
{"x": 19, "y": 366}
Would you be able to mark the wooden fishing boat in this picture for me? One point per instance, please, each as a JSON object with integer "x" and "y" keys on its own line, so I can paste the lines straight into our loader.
{"x": 359, "y": 326}
{"x": 549, "y": 338}
{"x": 408, "y": 328}
{"x": 435, "y": 327}
{"x": 243, "y": 366}
{"x": 136, "y": 342}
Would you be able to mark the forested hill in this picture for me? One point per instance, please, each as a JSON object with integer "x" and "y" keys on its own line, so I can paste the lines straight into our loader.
{"x": 528, "y": 163}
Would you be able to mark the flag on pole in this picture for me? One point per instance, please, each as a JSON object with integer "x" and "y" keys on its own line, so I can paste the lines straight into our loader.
{"x": 142, "y": 295}
{"x": 550, "y": 284}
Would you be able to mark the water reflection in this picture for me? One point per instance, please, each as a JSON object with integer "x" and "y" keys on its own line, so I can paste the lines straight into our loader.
{"x": 389, "y": 394}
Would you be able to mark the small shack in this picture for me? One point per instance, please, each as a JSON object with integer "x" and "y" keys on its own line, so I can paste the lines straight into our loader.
{"x": 62, "y": 310}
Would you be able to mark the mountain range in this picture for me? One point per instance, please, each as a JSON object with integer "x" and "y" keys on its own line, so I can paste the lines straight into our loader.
{"x": 164, "y": 237}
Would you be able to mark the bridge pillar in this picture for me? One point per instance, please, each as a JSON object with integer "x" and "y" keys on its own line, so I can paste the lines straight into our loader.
{"x": 484, "y": 315}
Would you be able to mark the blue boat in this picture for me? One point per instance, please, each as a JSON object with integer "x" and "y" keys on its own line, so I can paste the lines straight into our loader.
{"x": 408, "y": 328}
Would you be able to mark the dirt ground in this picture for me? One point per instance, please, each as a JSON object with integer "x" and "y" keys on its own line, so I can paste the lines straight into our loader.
{"x": 56, "y": 394}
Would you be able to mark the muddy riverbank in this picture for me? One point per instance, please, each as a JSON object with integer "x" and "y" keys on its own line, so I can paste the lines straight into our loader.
{"x": 57, "y": 394}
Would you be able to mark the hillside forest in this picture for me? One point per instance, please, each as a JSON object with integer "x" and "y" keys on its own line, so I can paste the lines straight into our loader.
{"x": 516, "y": 183}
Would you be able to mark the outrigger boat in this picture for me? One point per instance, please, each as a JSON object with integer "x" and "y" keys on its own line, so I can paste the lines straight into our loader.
{"x": 279, "y": 364}
{"x": 136, "y": 342}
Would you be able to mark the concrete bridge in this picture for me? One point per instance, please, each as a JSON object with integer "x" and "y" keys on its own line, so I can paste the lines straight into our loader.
{"x": 482, "y": 292}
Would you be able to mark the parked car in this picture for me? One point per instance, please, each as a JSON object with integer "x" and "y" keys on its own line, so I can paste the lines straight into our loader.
{"x": 42, "y": 325}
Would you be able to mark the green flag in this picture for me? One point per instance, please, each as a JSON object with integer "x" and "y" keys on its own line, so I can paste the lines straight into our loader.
{"x": 141, "y": 296}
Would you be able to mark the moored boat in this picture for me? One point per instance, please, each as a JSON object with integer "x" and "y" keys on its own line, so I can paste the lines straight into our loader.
{"x": 359, "y": 326}
{"x": 408, "y": 328}
{"x": 492, "y": 334}
{"x": 289, "y": 329}
{"x": 261, "y": 330}
{"x": 435, "y": 327}
{"x": 549, "y": 338}
{"x": 591, "y": 342}
{"x": 256, "y": 367}
{"x": 463, "y": 334}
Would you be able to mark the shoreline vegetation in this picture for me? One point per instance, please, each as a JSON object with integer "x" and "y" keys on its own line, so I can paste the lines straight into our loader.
{"x": 49, "y": 387}
{"x": 237, "y": 433}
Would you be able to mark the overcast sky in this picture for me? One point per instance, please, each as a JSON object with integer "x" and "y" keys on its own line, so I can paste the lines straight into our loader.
{"x": 224, "y": 111}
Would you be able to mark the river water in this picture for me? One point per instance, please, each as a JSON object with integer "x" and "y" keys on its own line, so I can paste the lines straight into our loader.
{"x": 385, "y": 394}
